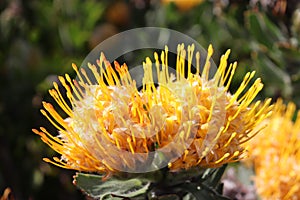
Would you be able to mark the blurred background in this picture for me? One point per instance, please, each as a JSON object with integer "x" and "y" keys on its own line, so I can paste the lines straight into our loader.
{"x": 40, "y": 39}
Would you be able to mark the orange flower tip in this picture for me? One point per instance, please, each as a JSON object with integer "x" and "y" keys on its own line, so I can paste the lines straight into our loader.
{"x": 74, "y": 66}
{"x": 43, "y": 129}
{"x": 43, "y": 138}
{"x": 43, "y": 111}
{"x": 47, "y": 160}
{"x": 47, "y": 105}
{"x": 38, "y": 132}
{"x": 35, "y": 131}
{"x": 56, "y": 159}
{"x": 44, "y": 103}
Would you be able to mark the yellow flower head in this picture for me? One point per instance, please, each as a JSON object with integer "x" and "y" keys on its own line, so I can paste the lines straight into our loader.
{"x": 185, "y": 119}
{"x": 276, "y": 155}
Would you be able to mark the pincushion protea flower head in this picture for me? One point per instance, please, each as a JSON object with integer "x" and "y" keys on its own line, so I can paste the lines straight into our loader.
{"x": 187, "y": 120}
{"x": 276, "y": 156}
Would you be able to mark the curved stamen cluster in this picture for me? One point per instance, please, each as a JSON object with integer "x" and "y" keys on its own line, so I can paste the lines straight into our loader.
{"x": 190, "y": 119}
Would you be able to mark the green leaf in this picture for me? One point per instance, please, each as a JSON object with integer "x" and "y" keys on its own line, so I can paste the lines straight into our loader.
{"x": 113, "y": 188}
{"x": 263, "y": 29}
{"x": 275, "y": 79}
{"x": 211, "y": 187}
{"x": 202, "y": 192}
{"x": 217, "y": 175}
{"x": 189, "y": 196}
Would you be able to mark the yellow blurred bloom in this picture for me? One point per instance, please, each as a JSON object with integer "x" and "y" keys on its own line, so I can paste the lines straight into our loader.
{"x": 112, "y": 125}
{"x": 276, "y": 156}
{"x": 184, "y": 5}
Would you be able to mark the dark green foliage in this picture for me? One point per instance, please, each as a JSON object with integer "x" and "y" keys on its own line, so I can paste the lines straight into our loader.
{"x": 162, "y": 184}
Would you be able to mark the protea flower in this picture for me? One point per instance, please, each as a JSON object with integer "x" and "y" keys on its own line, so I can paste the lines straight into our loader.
{"x": 275, "y": 154}
{"x": 179, "y": 121}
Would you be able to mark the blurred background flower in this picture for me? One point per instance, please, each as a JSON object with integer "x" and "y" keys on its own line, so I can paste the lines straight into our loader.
{"x": 39, "y": 39}
{"x": 275, "y": 154}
